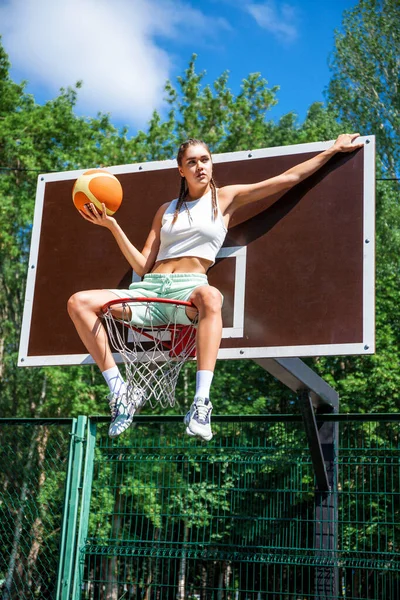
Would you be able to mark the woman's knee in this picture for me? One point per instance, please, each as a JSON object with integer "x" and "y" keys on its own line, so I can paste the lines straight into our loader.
{"x": 80, "y": 301}
{"x": 208, "y": 298}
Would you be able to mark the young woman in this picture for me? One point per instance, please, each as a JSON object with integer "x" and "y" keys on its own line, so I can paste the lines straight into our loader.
{"x": 184, "y": 239}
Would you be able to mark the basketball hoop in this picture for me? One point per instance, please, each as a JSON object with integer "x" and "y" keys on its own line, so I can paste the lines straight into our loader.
{"x": 155, "y": 351}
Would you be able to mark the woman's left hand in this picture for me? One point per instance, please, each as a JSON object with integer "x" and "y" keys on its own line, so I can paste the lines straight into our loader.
{"x": 344, "y": 142}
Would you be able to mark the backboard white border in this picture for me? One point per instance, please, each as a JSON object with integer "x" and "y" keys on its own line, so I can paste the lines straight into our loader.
{"x": 369, "y": 246}
{"x": 367, "y": 346}
{"x": 23, "y": 359}
{"x": 240, "y": 254}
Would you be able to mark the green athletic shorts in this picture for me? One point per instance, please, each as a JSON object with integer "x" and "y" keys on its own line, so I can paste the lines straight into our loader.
{"x": 174, "y": 286}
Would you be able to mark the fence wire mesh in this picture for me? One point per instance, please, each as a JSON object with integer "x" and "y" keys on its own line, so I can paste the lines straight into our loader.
{"x": 235, "y": 519}
{"x": 33, "y": 459}
{"x": 174, "y": 518}
{"x": 369, "y": 510}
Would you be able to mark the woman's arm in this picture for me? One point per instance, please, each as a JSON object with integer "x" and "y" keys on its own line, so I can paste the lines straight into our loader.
{"x": 234, "y": 196}
{"x": 141, "y": 262}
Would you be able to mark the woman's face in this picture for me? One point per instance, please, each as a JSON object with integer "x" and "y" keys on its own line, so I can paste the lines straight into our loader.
{"x": 196, "y": 166}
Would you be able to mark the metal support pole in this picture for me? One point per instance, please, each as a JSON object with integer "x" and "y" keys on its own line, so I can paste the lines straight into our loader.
{"x": 326, "y": 517}
{"x": 296, "y": 375}
{"x": 317, "y": 397}
{"x": 313, "y": 438}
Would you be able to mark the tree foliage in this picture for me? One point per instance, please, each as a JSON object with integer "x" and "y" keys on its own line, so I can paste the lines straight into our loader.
{"x": 364, "y": 92}
{"x": 364, "y": 88}
{"x": 40, "y": 138}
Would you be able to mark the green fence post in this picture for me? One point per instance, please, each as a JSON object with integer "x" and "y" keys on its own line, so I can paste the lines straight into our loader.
{"x": 71, "y": 508}
{"x": 84, "y": 510}
{"x": 68, "y": 477}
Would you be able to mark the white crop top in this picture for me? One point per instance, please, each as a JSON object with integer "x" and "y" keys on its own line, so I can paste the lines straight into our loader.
{"x": 199, "y": 235}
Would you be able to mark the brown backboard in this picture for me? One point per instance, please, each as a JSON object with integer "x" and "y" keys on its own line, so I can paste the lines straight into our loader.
{"x": 296, "y": 271}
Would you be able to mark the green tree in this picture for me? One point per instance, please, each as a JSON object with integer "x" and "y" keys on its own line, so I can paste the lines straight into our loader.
{"x": 364, "y": 88}
{"x": 51, "y": 137}
{"x": 229, "y": 123}
{"x": 364, "y": 92}
{"x": 40, "y": 138}
{"x": 35, "y": 138}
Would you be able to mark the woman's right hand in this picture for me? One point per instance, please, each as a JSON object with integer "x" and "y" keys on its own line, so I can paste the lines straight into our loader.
{"x": 91, "y": 214}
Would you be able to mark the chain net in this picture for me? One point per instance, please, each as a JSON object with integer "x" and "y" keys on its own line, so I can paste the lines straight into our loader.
{"x": 153, "y": 339}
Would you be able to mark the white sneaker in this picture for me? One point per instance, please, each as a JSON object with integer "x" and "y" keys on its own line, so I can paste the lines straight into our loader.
{"x": 112, "y": 403}
{"x": 198, "y": 419}
{"x": 123, "y": 409}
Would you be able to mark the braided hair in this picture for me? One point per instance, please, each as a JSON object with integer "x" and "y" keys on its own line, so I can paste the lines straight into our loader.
{"x": 183, "y": 192}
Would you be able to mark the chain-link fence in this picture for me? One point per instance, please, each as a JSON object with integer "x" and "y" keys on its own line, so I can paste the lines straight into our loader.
{"x": 369, "y": 509}
{"x": 236, "y": 518}
{"x": 157, "y": 515}
{"x": 33, "y": 466}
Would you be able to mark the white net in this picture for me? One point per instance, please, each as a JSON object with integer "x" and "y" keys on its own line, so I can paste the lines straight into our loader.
{"x": 154, "y": 341}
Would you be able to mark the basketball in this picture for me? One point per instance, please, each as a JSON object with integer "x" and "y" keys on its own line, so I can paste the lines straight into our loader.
{"x": 97, "y": 186}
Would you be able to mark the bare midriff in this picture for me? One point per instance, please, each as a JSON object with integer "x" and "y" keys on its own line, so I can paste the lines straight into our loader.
{"x": 185, "y": 264}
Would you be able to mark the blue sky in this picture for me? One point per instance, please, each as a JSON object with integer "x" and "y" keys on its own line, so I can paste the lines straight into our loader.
{"x": 125, "y": 50}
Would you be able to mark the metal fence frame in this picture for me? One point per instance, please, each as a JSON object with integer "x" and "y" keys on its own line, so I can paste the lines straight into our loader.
{"x": 78, "y": 487}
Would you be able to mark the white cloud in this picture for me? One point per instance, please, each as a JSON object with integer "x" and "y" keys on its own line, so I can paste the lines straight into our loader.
{"x": 280, "y": 20}
{"x": 113, "y": 46}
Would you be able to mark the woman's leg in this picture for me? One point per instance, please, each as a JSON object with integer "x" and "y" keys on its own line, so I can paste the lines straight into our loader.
{"x": 208, "y": 301}
{"x": 84, "y": 308}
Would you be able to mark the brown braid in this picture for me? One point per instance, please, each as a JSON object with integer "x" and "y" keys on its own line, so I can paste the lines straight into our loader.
{"x": 214, "y": 198}
{"x": 183, "y": 192}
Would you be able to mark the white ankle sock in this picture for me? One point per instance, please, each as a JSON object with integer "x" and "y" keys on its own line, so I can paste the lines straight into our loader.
{"x": 203, "y": 383}
{"x": 115, "y": 381}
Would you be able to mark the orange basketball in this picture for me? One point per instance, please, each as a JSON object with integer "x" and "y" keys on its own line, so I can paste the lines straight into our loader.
{"x": 97, "y": 186}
